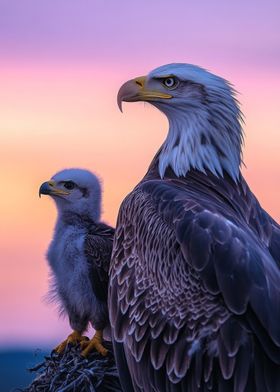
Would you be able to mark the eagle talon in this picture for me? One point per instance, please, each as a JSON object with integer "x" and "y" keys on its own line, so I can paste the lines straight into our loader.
{"x": 95, "y": 344}
{"x": 74, "y": 338}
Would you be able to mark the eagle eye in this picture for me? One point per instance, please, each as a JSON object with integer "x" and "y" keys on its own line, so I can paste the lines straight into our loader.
{"x": 171, "y": 82}
{"x": 69, "y": 185}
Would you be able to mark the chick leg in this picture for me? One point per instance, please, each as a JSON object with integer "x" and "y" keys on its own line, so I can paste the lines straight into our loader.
{"x": 74, "y": 338}
{"x": 94, "y": 344}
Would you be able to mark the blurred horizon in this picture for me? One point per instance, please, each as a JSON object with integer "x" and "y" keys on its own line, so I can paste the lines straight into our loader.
{"x": 61, "y": 64}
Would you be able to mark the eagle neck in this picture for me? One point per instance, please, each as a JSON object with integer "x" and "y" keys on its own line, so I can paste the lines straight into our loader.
{"x": 201, "y": 142}
{"x": 69, "y": 218}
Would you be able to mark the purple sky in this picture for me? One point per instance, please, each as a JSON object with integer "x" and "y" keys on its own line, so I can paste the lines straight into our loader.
{"x": 237, "y": 33}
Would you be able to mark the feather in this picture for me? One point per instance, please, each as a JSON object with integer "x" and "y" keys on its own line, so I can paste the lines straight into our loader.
{"x": 158, "y": 353}
{"x": 231, "y": 334}
{"x": 195, "y": 256}
{"x": 227, "y": 362}
{"x": 243, "y": 363}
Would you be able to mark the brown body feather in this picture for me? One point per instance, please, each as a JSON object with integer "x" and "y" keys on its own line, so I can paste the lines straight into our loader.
{"x": 194, "y": 295}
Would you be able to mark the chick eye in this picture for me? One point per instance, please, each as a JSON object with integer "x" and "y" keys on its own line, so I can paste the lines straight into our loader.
{"x": 69, "y": 185}
{"x": 170, "y": 82}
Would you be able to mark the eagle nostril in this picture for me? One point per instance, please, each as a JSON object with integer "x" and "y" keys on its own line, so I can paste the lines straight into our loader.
{"x": 139, "y": 83}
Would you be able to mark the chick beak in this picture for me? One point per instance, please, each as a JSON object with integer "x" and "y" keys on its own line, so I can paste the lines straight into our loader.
{"x": 49, "y": 188}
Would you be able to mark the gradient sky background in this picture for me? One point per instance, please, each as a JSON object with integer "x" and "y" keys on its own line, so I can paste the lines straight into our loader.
{"x": 61, "y": 64}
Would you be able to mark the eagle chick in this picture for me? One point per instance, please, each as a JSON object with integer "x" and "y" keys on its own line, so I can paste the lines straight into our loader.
{"x": 79, "y": 255}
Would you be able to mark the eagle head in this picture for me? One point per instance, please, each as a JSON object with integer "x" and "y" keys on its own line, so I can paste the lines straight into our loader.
{"x": 205, "y": 130}
{"x": 75, "y": 191}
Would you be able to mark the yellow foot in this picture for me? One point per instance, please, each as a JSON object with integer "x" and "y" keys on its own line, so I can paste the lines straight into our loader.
{"x": 74, "y": 338}
{"x": 95, "y": 344}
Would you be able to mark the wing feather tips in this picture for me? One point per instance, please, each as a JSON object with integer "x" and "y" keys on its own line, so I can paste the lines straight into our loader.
{"x": 227, "y": 363}
{"x": 170, "y": 333}
{"x": 232, "y": 335}
{"x": 158, "y": 353}
{"x": 234, "y": 264}
{"x": 208, "y": 367}
{"x": 232, "y": 272}
{"x": 243, "y": 363}
{"x": 200, "y": 245}
{"x": 137, "y": 348}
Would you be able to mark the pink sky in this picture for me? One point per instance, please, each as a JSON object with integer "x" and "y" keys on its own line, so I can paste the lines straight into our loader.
{"x": 60, "y": 70}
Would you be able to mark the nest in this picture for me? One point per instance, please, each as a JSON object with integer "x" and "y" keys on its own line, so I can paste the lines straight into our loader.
{"x": 71, "y": 372}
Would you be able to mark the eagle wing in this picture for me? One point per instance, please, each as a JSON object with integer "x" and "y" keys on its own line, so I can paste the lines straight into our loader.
{"x": 274, "y": 243}
{"x": 98, "y": 248}
{"x": 191, "y": 285}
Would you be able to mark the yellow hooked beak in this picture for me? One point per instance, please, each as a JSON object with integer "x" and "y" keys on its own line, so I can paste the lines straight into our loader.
{"x": 49, "y": 188}
{"x": 134, "y": 90}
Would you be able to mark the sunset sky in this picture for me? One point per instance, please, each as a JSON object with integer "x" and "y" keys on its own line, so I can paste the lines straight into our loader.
{"x": 61, "y": 64}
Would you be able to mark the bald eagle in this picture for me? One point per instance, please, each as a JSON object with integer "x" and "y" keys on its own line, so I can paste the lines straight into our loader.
{"x": 194, "y": 292}
{"x": 79, "y": 255}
